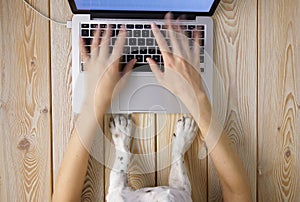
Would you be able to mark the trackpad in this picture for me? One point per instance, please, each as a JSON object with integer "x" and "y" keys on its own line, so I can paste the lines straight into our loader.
{"x": 143, "y": 93}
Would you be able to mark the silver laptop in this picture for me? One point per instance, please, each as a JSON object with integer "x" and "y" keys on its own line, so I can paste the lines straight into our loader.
{"x": 142, "y": 92}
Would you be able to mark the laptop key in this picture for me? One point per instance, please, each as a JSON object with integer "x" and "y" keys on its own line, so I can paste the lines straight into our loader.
{"x": 202, "y": 42}
{"x": 103, "y": 26}
{"x": 150, "y": 42}
{"x": 126, "y": 49}
{"x": 94, "y": 26}
{"x": 129, "y": 26}
{"x": 145, "y": 33}
{"x": 201, "y": 50}
{"x": 111, "y": 48}
{"x": 85, "y": 32}
{"x": 92, "y": 32}
{"x": 141, "y": 41}
{"x": 190, "y": 27}
{"x": 138, "y": 26}
{"x": 201, "y": 59}
{"x": 113, "y": 26}
{"x": 113, "y": 33}
{"x": 139, "y": 58}
{"x": 156, "y": 58}
{"x": 188, "y": 34}
{"x": 129, "y": 57}
{"x": 113, "y": 40}
{"x": 85, "y": 25}
{"x": 201, "y": 34}
{"x": 134, "y": 50}
{"x": 137, "y": 33}
{"x": 143, "y": 50}
{"x": 200, "y": 27}
{"x": 132, "y": 41}
{"x": 129, "y": 33}
{"x": 87, "y": 41}
{"x": 147, "y": 26}
{"x": 151, "y": 50}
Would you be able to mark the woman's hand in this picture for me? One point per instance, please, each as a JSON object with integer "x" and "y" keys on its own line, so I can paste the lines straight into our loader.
{"x": 102, "y": 70}
{"x": 182, "y": 71}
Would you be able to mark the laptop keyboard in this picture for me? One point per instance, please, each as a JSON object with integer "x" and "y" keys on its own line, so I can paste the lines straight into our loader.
{"x": 140, "y": 42}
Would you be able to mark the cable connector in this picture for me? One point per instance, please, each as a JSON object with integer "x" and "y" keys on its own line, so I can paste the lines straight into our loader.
{"x": 69, "y": 24}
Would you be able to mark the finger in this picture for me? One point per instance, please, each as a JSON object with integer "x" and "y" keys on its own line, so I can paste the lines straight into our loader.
{"x": 119, "y": 44}
{"x": 162, "y": 44}
{"x": 183, "y": 42}
{"x": 128, "y": 67}
{"x": 155, "y": 69}
{"x": 124, "y": 76}
{"x": 173, "y": 35}
{"x": 104, "y": 47}
{"x": 95, "y": 43}
{"x": 83, "y": 51}
{"x": 196, "y": 47}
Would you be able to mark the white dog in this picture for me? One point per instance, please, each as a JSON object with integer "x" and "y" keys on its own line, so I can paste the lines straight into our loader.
{"x": 179, "y": 188}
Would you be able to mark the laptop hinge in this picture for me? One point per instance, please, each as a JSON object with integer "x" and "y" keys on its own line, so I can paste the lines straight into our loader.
{"x": 139, "y": 15}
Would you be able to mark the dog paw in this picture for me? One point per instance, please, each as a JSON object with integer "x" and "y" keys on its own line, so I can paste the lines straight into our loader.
{"x": 121, "y": 129}
{"x": 185, "y": 134}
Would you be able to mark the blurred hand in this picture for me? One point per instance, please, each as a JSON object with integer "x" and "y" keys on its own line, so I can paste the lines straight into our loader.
{"x": 181, "y": 76}
{"x": 102, "y": 69}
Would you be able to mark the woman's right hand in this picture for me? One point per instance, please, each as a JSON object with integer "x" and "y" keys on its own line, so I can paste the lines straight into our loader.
{"x": 182, "y": 73}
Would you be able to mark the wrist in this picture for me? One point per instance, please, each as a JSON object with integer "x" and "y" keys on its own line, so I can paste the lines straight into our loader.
{"x": 204, "y": 114}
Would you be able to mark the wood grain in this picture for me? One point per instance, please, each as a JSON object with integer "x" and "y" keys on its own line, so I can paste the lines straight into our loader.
{"x": 279, "y": 98}
{"x": 61, "y": 82}
{"x": 141, "y": 168}
{"x": 25, "y": 124}
{"x": 32, "y": 96}
{"x": 61, "y": 71}
{"x": 196, "y": 168}
{"x": 235, "y": 58}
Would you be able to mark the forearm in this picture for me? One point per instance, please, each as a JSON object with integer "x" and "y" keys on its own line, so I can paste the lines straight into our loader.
{"x": 232, "y": 174}
{"x": 228, "y": 165}
{"x": 72, "y": 172}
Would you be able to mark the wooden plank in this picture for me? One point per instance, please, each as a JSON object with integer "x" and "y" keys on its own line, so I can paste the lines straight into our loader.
{"x": 279, "y": 101}
{"x": 140, "y": 168}
{"x": 235, "y": 58}
{"x": 61, "y": 81}
{"x": 25, "y": 126}
{"x": 196, "y": 168}
{"x": 61, "y": 71}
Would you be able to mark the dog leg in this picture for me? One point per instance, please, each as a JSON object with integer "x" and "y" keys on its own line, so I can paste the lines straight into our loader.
{"x": 121, "y": 129}
{"x": 185, "y": 134}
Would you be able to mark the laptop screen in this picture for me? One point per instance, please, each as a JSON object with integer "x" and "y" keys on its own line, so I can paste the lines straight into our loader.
{"x": 203, "y": 7}
{"x": 146, "y": 5}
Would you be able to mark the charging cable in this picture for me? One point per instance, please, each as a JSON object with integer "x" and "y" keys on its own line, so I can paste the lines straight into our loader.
{"x": 44, "y": 16}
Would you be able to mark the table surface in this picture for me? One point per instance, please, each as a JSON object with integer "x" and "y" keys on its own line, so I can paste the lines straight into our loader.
{"x": 257, "y": 55}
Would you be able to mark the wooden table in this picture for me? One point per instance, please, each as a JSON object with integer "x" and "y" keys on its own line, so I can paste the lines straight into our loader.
{"x": 256, "y": 51}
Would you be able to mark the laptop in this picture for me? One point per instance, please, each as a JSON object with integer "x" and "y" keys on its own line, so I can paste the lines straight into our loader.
{"x": 142, "y": 93}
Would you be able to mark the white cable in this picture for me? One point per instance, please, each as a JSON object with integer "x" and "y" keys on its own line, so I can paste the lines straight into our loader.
{"x": 44, "y": 16}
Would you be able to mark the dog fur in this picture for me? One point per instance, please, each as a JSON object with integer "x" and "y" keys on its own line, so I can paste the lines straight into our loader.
{"x": 179, "y": 188}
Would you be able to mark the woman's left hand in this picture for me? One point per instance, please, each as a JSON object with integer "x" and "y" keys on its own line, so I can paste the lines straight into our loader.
{"x": 102, "y": 70}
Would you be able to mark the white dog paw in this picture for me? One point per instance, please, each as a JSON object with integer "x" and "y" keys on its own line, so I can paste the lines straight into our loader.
{"x": 185, "y": 134}
{"x": 121, "y": 129}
